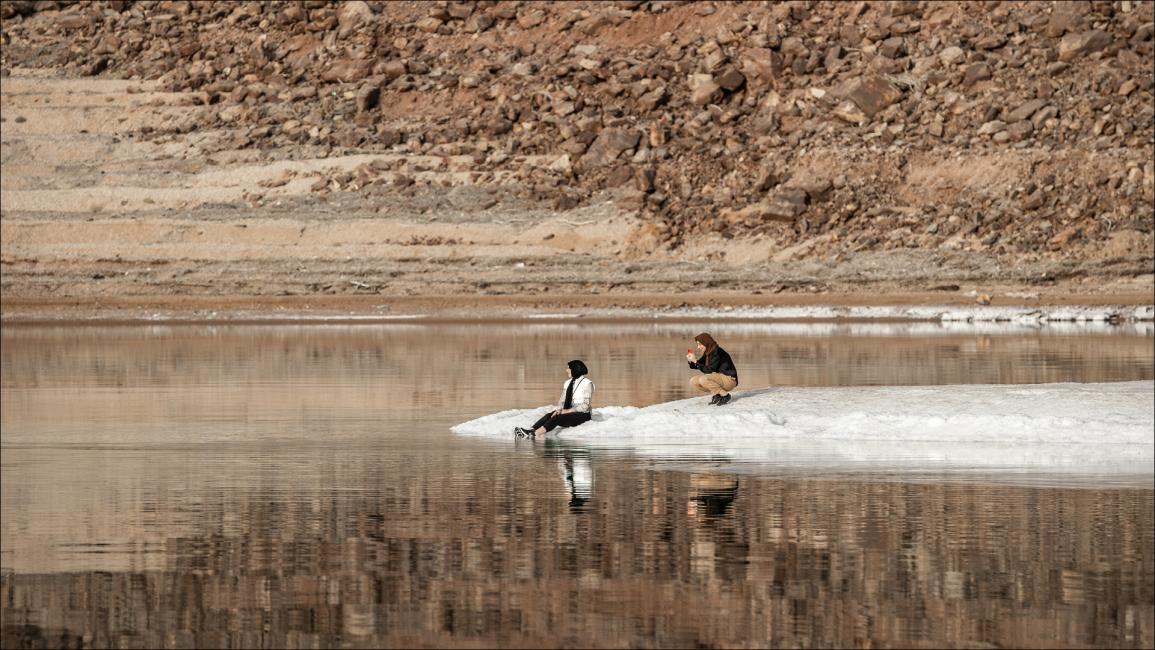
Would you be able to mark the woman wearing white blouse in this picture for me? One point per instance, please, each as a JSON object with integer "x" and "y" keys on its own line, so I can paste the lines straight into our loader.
{"x": 573, "y": 407}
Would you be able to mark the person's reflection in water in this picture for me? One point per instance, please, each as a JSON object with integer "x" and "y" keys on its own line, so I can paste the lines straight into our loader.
{"x": 575, "y": 469}
{"x": 710, "y": 496}
{"x": 719, "y": 549}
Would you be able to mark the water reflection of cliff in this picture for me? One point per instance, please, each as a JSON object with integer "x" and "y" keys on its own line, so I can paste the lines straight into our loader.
{"x": 652, "y": 559}
{"x": 139, "y": 380}
{"x": 287, "y": 487}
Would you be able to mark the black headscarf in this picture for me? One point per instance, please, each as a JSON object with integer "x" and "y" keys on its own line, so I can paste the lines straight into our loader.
{"x": 576, "y": 369}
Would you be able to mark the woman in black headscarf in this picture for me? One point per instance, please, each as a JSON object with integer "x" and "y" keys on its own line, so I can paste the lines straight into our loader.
{"x": 574, "y": 406}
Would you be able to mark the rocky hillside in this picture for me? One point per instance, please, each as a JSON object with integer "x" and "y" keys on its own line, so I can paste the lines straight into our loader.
{"x": 1023, "y": 130}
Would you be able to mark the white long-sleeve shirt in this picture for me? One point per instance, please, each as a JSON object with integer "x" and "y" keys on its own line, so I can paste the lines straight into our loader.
{"x": 583, "y": 394}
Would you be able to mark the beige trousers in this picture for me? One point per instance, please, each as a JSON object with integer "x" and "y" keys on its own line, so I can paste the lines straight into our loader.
{"x": 715, "y": 383}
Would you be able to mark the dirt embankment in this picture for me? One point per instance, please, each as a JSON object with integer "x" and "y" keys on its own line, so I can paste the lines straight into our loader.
{"x": 170, "y": 153}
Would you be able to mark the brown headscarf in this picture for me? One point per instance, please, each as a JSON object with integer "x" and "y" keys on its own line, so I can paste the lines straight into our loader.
{"x": 708, "y": 341}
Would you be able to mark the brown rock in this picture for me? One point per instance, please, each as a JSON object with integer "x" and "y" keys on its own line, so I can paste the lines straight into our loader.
{"x": 760, "y": 65}
{"x": 715, "y": 60}
{"x": 388, "y": 137}
{"x": 990, "y": 42}
{"x": 1064, "y": 18}
{"x": 478, "y": 23}
{"x": 352, "y": 15}
{"x": 459, "y": 10}
{"x": 786, "y": 204}
{"x": 652, "y": 99}
{"x": 428, "y": 24}
{"x": 530, "y": 18}
{"x": 368, "y": 97}
{"x": 298, "y": 51}
{"x": 73, "y": 22}
{"x": 765, "y": 211}
{"x": 506, "y": 11}
{"x": 952, "y": 55}
{"x": 393, "y": 69}
{"x": 346, "y": 70}
{"x": 1075, "y": 45}
{"x": 893, "y": 47}
{"x": 850, "y": 36}
{"x": 704, "y": 90}
{"x": 848, "y": 112}
{"x": 976, "y": 72}
{"x": 872, "y": 94}
{"x": 619, "y": 176}
{"x": 767, "y": 180}
{"x": 1025, "y": 111}
{"x": 566, "y": 201}
{"x": 1065, "y": 238}
{"x": 817, "y": 189}
{"x": 1035, "y": 200}
{"x": 609, "y": 144}
{"x": 229, "y": 113}
{"x": 1020, "y": 130}
{"x": 96, "y": 67}
{"x": 729, "y": 79}
{"x": 1039, "y": 119}
{"x": 644, "y": 179}
{"x": 500, "y": 126}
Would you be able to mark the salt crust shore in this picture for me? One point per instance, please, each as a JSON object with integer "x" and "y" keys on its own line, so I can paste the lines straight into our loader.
{"x": 1101, "y": 429}
{"x": 938, "y": 313}
{"x": 1020, "y": 315}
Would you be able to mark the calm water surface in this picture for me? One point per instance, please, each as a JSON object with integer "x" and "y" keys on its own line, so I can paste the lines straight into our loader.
{"x": 298, "y": 486}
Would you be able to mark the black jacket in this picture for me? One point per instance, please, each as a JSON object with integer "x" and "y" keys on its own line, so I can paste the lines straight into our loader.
{"x": 717, "y": 361}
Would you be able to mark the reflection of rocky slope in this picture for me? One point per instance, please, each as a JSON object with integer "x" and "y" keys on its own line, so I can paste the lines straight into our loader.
{"x": 89, "y": 379}
{"x": 370, "y": 550}
{"x": 741, "y": 134}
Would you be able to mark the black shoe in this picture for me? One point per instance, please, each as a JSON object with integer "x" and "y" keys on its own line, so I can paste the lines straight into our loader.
{"x": 714, "y": 399}
{"x": 724, "y": 400}
{"x": 522, "y": 433}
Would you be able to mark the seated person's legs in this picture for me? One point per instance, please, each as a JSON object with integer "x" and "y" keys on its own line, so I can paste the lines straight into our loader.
{"x": 566, "y": 420}
{"x": 541, "y": 421}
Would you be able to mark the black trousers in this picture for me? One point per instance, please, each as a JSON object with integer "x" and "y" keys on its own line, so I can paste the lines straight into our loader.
{"x": 551, "y": 421}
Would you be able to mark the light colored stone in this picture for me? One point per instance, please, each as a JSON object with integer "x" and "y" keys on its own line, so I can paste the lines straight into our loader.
{"x": 952, "y": 55}
{"x": 703, "y": 89}
{"x": 848, "y": 112}
{"x": 1075, "y": 45}
{"x": 994, "y": 126}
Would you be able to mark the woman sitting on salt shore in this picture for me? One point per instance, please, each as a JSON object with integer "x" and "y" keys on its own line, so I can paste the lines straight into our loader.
{"x": 719, "y": 376}
{"x": 573, "y": 407}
